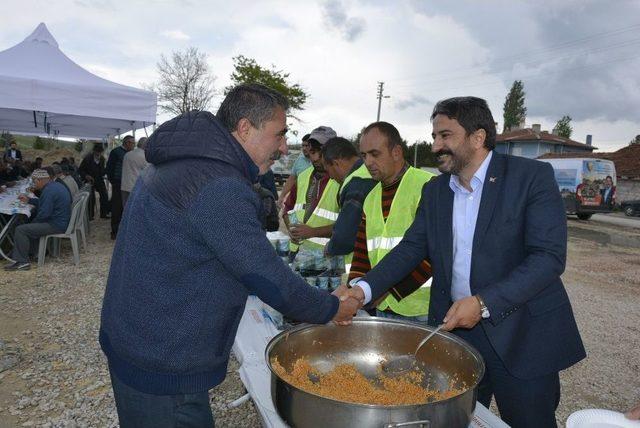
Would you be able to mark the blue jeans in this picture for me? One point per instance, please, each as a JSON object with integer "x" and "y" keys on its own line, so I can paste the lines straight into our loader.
{"x": 420, "y": 318}
{"x": 141, "y": 410}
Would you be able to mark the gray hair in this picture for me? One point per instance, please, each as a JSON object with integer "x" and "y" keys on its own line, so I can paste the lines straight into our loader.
{"x": 142, "y": 142}
{"x": 253, "y": 102}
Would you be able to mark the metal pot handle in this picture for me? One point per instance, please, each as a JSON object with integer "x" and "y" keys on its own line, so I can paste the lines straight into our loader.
{"x": 424, "y": 423}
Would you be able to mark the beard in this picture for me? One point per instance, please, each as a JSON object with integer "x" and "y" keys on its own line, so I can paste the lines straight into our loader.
{"x": 450, "y": 163}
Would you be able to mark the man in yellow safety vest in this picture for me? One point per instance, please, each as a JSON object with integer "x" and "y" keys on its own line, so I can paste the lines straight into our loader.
{"x": 389, "y": 210}
{"x": 316, "y": 199}
{"x": 342, "y": 163}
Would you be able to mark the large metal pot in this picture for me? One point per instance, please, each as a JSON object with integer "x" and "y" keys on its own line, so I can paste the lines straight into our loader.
{"x": 367, "y": 343}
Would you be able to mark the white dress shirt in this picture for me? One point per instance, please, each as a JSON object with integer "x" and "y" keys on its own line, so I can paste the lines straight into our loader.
{"x": 466, "y": 205}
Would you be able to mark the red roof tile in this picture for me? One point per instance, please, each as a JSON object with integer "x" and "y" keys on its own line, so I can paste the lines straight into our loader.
{"x": 528, "y": 134}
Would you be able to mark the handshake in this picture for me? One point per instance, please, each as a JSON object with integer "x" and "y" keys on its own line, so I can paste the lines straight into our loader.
{"x": 351, "y": 299}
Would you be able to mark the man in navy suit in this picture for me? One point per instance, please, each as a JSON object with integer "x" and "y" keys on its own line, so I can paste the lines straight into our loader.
{"x": 494, "y": 229}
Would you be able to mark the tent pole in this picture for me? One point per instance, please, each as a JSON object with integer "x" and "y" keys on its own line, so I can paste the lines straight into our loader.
{"x": 35, "y": 119}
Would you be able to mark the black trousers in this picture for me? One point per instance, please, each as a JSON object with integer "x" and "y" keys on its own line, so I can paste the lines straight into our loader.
{"x": 101, "y": 188}
{"x": 523, "y": 403}
{"x": 116, "y": 207}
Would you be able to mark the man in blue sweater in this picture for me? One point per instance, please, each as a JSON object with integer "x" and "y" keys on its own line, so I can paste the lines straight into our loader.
{"x": 189, "y": 251}
{"x": 53, "y": 210}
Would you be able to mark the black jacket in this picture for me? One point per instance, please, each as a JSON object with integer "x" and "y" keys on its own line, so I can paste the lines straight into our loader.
{"x": 92, "y": 169}
{"x": 7, "y": 154}
{"x": 114, "y": 164}
{"x": 519, "y": 253}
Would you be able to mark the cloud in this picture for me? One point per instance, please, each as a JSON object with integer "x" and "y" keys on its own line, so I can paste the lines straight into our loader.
{"x": 336, "y": 18}
{"x": 569, "y": 61}
{"x": 175, "y": 35}
{"x": 432, "y": 49}
{"x": 412, "y": 101}
{"x": 97, "y": 4}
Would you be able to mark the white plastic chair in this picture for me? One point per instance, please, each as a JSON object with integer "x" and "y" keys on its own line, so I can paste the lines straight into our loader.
{"x": 71, "y": 233}
{"x": 87, "y": 188}
{"x": 83, "y": 219}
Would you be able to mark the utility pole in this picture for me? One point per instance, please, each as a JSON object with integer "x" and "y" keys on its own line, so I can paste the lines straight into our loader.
{"x": 380, "y": 97}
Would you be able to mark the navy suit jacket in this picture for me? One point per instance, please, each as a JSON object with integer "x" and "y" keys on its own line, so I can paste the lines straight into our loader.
{"x": 519, "y": 253}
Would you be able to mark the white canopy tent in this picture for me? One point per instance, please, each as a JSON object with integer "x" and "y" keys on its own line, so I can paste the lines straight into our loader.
{"x": 43, "y": 92}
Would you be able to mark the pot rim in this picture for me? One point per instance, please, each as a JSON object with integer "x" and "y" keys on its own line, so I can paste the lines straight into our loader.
{"x": 450, "y": 336}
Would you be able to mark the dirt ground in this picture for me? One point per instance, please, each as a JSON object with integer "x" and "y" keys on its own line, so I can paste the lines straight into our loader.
{"x": 56, "y": 374}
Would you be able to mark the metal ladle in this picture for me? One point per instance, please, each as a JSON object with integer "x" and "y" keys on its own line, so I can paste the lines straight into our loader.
{"x": 404, "y": 363}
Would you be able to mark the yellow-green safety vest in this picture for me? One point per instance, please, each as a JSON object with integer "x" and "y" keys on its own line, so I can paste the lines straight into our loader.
{"x": 361, "y": 172}
{"x": 383, "y": 235}
{"x": 325, "y": 213}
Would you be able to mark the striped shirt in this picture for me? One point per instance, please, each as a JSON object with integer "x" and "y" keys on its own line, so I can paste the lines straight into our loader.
{"x": 360, "y": 264}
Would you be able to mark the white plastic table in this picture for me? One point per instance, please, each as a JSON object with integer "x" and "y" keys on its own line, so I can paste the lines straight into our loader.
{"x": 10, "y": 205}
{"x": 254, "y": 333}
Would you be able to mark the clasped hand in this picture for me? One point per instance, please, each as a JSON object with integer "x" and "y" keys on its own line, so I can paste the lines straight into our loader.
{"x": 351, "y": 299}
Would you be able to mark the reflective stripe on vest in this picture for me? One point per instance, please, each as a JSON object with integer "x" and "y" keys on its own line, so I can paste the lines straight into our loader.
{"x": 329, "y": 215}
{"x": 383, "y": 243}
{"x": 325, "y": 213}
{"x": 383, "y": 236}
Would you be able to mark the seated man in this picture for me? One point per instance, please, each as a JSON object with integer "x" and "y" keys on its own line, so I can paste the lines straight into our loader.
{"x": 52, "y": 216}
{"x": 6, "y": 174}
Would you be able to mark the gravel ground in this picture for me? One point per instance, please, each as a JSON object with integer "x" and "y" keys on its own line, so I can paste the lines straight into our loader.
{"x": 52, "y": 372}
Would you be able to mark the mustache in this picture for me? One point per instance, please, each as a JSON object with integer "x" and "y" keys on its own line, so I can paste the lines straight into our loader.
{"x": 443, "y": 152}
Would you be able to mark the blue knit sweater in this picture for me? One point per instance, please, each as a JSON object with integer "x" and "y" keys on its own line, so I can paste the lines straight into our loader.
{"x": 189, "y": 251}
{"x": 53, "y": 206}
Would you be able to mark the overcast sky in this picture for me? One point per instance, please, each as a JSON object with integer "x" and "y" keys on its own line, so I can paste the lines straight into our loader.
{"x": 580, "y": 58}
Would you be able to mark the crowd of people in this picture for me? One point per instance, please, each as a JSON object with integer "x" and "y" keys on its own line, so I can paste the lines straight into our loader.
{"x": 490, "y": 232}
{"x": 55, "y": 188}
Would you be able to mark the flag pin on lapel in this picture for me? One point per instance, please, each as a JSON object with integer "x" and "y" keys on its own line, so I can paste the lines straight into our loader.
{"x": 492, "y": 179}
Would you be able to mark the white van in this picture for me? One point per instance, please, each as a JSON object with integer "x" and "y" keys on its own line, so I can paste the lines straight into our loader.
{"x": 587, "y": 185}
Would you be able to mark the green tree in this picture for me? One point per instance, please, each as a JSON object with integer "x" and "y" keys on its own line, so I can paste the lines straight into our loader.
{"x": 39, "y": 143}
{"x": 563, "y": 127}
{"x": 425, "y": 156}
{"x": 186, "y": 82}
{"x": 635, "y": 140}
{"x": 514, "y": 109}
{"x": 247, "y": 70}
{"x": 6, "y": 139}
